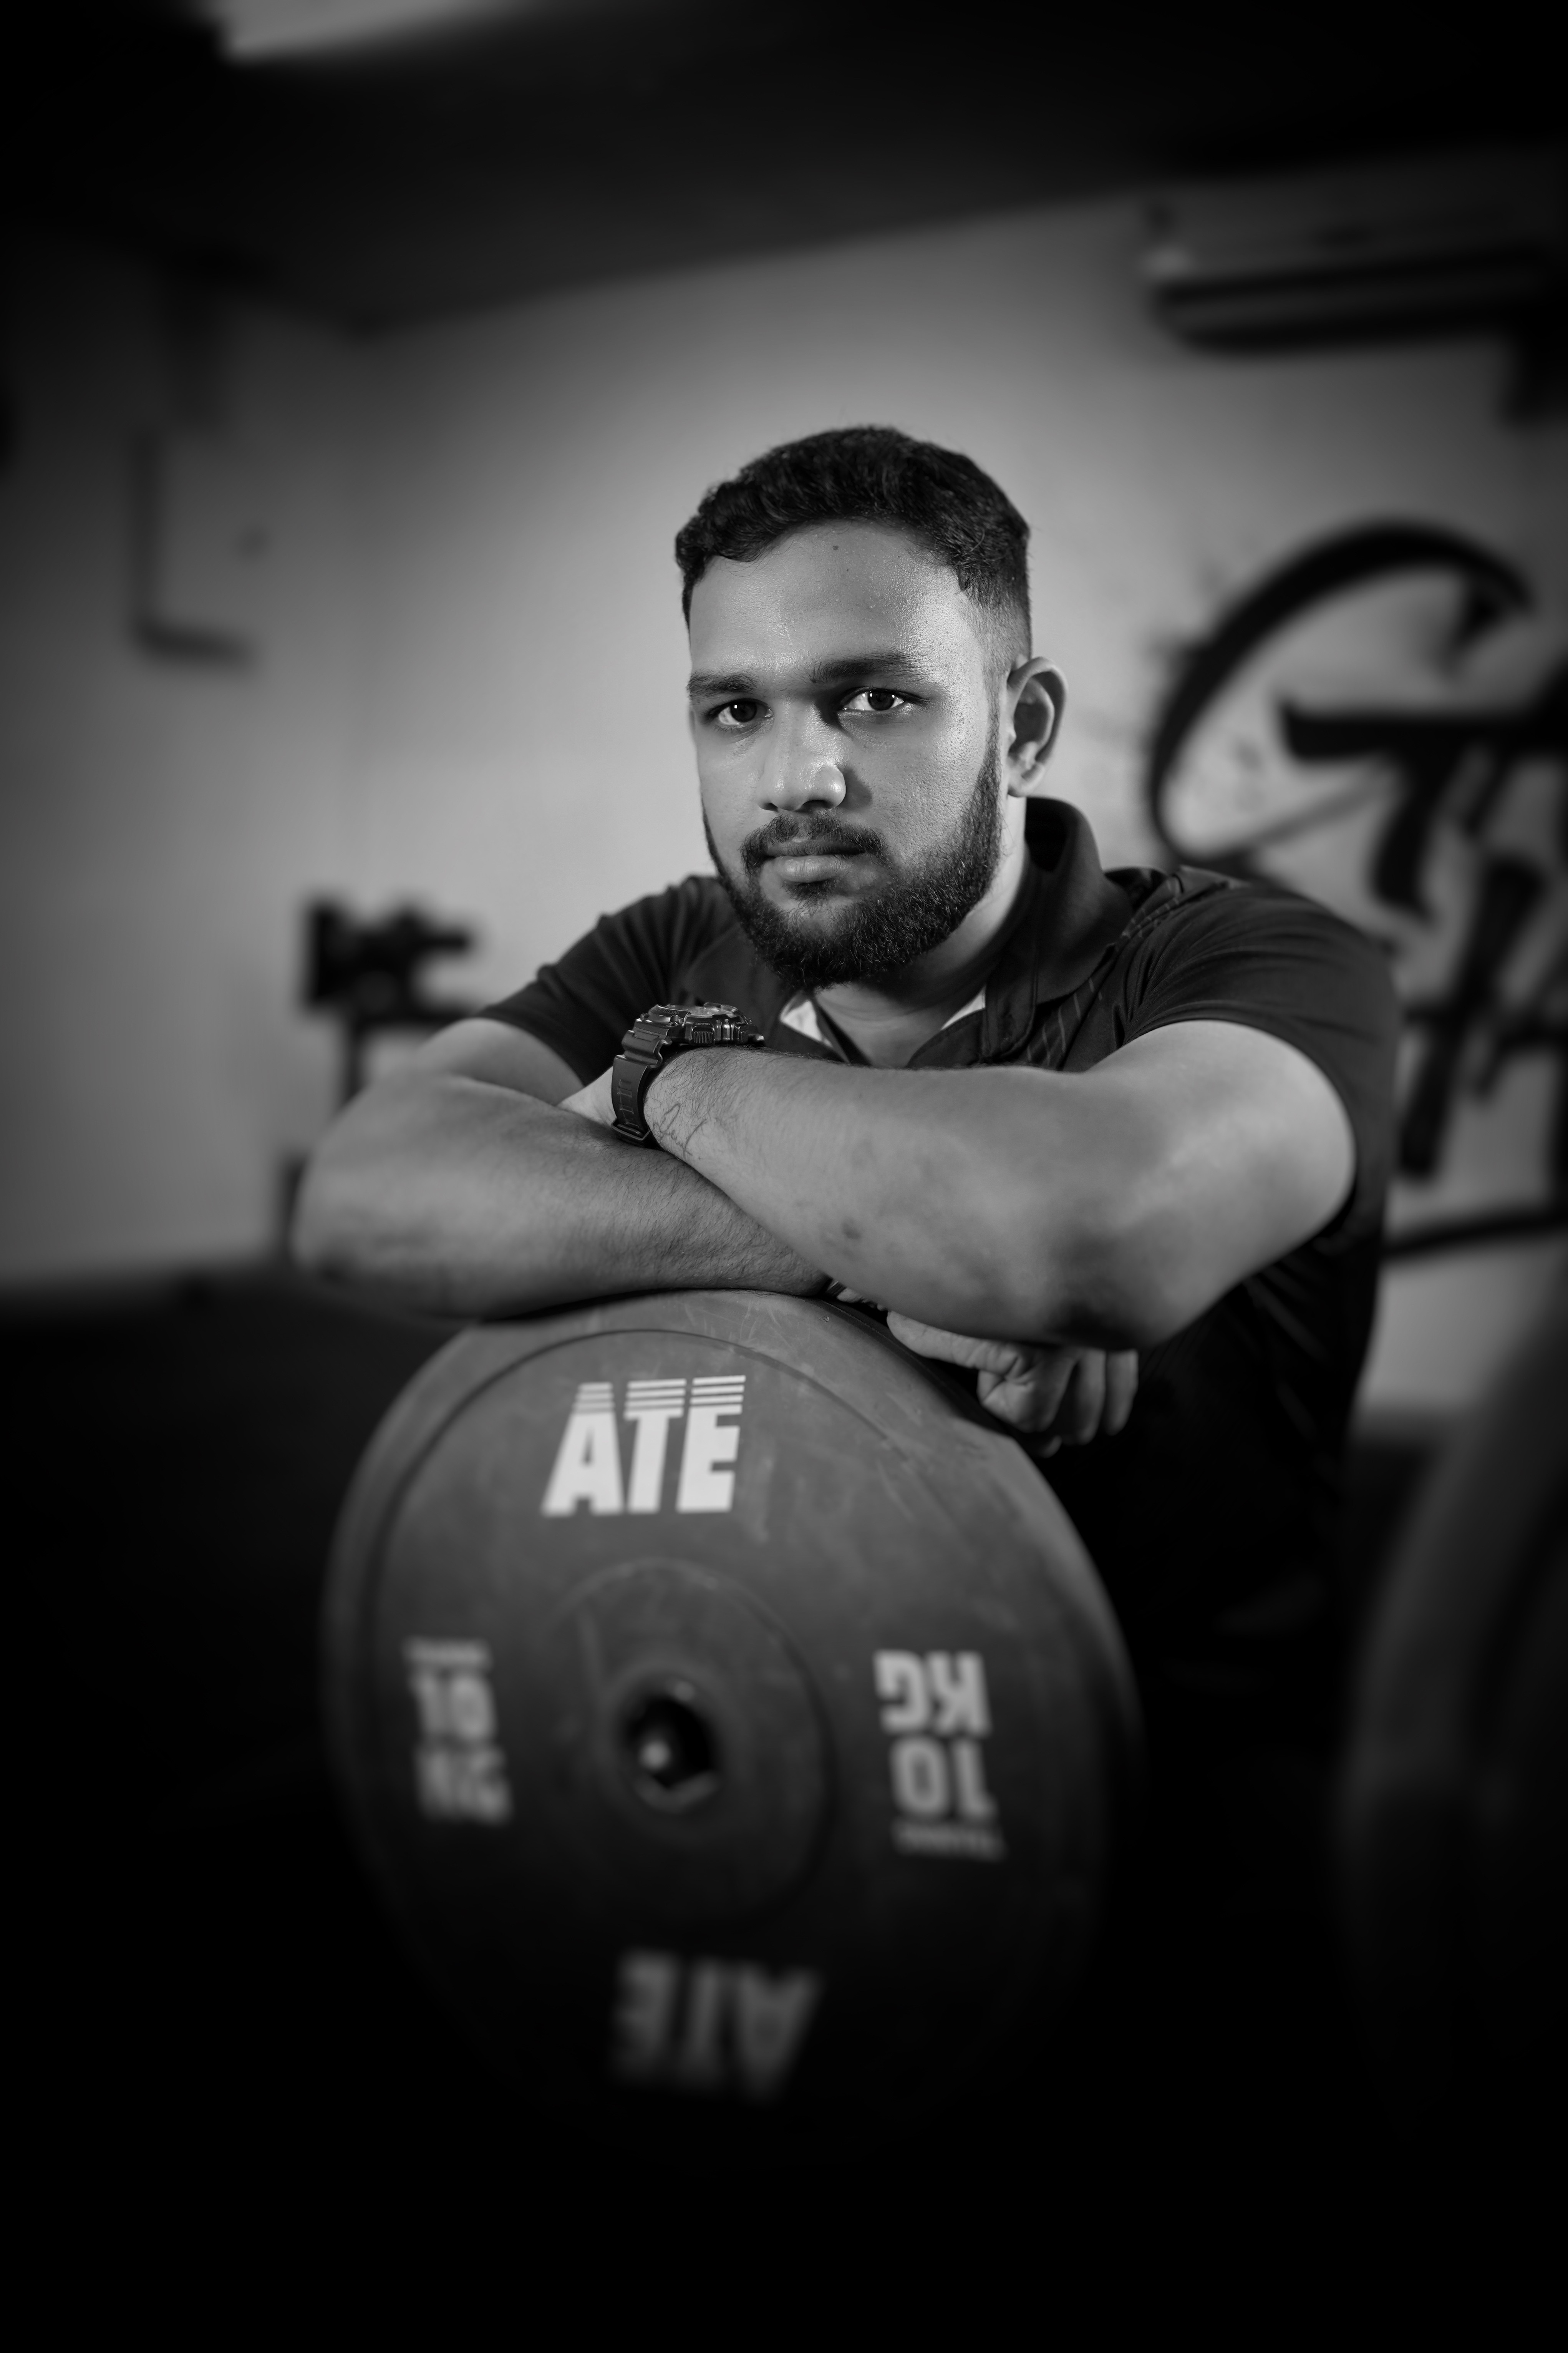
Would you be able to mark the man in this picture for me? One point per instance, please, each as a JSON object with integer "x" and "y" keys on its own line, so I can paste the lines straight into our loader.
{"x": 1117, "y": 1143}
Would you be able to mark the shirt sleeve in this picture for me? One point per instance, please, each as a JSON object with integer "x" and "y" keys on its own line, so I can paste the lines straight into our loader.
{"x": 1275, "y": 962}
{"x": 583, "y": 1005}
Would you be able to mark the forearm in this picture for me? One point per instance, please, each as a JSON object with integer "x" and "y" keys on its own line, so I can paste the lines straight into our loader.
{"x": 1006, "y": 1204}
{"x": 465, "y": 1198}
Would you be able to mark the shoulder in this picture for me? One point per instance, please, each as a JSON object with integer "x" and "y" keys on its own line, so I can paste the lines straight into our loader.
{"x": 1214, "y": 949}
{"x": 680, "y": 922}
{"x": 581, "y": 1005}
{"x": 1211, "y": 948}
{"x": 1197, "y": 922}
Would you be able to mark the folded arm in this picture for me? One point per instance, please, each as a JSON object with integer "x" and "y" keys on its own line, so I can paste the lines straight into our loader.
{"x": 1106, "y": 1209}
{"x": 1103, "y": 1210}
{"x": 459, "y": 1186}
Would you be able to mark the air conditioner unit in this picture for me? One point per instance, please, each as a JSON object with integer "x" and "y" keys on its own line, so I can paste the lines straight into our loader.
{"x": 1360, "y": 254}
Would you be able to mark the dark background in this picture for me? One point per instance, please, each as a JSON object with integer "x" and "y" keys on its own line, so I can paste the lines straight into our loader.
{"x": 588, "y": 142}
{"x": 218, "y": 1993}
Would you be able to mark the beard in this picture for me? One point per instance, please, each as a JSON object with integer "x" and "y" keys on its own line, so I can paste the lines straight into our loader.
{"x": 884, "y": 931}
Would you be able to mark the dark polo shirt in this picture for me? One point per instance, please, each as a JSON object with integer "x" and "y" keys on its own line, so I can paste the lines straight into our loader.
{"x": 1223, "y": 1487}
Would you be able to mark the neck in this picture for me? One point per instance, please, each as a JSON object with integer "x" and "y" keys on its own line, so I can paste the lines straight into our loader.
{"x": 892, "y": 1021}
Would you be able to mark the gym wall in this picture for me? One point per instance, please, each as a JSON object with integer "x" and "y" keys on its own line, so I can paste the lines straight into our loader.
{"x": 163, "y": 805}
{"x": 465, "y": 681}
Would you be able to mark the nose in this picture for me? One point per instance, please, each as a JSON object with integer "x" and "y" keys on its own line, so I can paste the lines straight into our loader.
{"x": 801, "y": 782}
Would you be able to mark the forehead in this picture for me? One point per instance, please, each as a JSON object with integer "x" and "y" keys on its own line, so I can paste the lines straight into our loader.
{"x": 832, "y": 588}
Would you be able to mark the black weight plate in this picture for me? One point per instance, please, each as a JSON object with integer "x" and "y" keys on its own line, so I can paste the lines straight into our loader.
{"x": 887, "y": 1716}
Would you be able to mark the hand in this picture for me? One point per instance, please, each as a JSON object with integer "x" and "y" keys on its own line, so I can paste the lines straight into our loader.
{"x": 1060, "y": 1395}
{"x": 592, "y": 1102}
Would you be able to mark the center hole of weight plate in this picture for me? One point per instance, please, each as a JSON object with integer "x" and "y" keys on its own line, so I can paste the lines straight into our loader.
{"x": 670, "y": 1746}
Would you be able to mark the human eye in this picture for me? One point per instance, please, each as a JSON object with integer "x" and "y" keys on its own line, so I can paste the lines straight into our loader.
{"x": 743, "y": 711}
{"x": 877, "y": 703}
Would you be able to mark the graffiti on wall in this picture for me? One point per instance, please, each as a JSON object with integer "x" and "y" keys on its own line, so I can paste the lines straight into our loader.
{"x": 1382, "y": 721}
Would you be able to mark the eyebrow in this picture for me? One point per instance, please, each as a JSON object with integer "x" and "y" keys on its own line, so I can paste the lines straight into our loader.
{"x": 883, "y": 661}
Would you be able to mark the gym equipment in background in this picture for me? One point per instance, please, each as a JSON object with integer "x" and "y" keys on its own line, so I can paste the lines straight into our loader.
{"x": 1453, "y": 1808}
{"x": 729, "y": 1714}
{"x": 369, "y": 976}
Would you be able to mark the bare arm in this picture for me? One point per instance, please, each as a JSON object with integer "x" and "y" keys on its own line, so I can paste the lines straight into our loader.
{"x": 459, "y": 1186}
{"x": 1106, "y": 1209}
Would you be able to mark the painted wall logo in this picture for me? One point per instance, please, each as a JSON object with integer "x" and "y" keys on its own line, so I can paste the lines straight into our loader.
{"x": 1382, "y": 722}
{"x": 459, "y": 1773}
{"x": 938, "y": 1712}
{"x": 709, "y": 2026}
{"x": 589, "y": 1465}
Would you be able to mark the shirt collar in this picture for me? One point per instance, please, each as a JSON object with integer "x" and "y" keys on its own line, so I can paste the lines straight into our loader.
{"x": 1071, "y": 913}
{"x": 802, "y": 1014}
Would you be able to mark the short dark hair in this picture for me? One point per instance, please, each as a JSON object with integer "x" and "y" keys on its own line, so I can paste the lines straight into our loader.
{"x": 870, "y": 473}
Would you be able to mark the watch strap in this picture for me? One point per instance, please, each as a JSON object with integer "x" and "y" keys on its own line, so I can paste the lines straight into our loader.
{"x": 654, "y": 1038}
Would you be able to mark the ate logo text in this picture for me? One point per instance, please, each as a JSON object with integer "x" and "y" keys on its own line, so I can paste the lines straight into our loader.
{"x": 709, "y": 2026}
{"x": 683, "y": 1435}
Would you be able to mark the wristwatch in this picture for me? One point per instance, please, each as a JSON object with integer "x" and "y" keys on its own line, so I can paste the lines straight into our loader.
{"x": 656, "y": 1039}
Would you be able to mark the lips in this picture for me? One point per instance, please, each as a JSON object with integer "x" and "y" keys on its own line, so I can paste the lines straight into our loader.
{"x": 815, "y": 845}
{"x": 810, "y": 865}
{"x": 827, "y": 846}
{"x": 807, "y": 856}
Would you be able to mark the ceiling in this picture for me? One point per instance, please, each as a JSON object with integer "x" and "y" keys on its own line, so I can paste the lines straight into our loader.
{"x": 587, "y": 139}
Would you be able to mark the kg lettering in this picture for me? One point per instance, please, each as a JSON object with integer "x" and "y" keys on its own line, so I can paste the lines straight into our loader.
{"x": 459, "y": 1773}
{"x": 592, "y": 1466}
{"x": 937, "y": 1711}
{"x": 709, "y": 2026}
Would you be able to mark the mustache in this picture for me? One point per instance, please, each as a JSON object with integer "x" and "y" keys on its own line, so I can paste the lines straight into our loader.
{"x": 820, "y": 833}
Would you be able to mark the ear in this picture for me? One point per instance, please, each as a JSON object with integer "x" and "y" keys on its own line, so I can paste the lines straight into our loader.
{"x": 1033, "y": 701}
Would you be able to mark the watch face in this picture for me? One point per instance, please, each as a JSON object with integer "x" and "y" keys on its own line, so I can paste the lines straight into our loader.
{"x": 668, "y": 1026}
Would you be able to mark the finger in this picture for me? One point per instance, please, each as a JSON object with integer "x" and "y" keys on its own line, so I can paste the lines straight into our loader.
{"x": 1120, "y": 1390}
{"x": 927, "y": 1339}
{"x": 592, "y": 1102}
{"x": 1029, "y": 1402}
{"x": 1013, "y": 1402}
{"x": 1078, "y": 1419}
{"x": 1001, "y": 1357}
